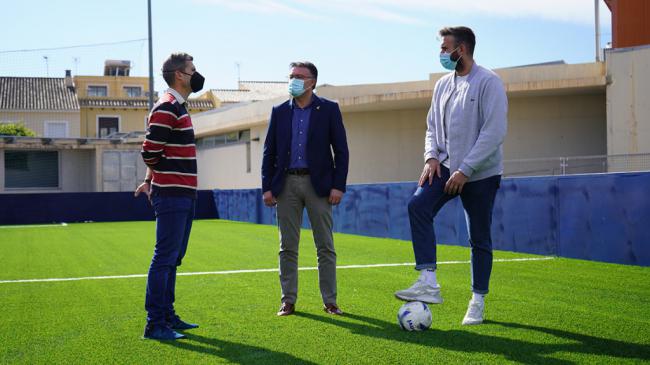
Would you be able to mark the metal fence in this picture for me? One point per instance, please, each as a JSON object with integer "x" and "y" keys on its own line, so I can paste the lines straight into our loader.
{"x": 577, "y": 165}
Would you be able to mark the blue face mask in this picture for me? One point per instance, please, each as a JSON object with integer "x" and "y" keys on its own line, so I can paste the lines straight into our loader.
{"x": 447, "y": 62}
{"x": 296, "y": 87}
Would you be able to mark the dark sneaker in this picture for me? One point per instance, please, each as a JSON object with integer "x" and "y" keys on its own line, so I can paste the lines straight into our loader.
{"x": 161, "y": 333}
{"x": 177, "y": 323}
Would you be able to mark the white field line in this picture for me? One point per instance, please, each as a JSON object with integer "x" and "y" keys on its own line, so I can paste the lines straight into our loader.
{"x": 229, "y": 272}
{"x": 36, "y": 226}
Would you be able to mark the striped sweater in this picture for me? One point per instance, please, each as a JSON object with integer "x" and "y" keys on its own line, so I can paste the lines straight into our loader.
{"x": 169, "y": 149}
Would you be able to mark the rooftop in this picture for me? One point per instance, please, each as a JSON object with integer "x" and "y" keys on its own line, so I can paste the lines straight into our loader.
{"x": 36, "y": 93}
{"x": 251, "y": 91}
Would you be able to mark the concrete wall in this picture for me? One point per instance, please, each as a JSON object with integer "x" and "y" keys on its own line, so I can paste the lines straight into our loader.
{"x": 36, "y": 120}
{"x": 387, "y": 145}
{"x": 555, "y": 111}
{"x": 628, "y": 100}
{"x": 81, "y": 167}
{"x": 555, "y": 126}
{"x": 76, "y": 173}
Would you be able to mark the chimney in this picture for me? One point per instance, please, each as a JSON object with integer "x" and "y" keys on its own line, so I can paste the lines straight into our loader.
{"x": 68, "y": 80}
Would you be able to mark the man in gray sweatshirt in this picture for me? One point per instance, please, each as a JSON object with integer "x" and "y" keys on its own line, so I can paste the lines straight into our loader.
{"x": 466, "y": 127}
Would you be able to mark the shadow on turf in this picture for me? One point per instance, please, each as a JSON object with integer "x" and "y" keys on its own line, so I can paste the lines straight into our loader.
{"x": 234, "y": 352}
{"x": 512, "y": 349}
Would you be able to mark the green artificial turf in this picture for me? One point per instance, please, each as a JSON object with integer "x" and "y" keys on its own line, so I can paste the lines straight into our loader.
{"x": 557, "y": 311}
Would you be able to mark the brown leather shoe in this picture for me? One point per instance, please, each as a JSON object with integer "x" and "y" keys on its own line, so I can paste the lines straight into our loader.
{"x": 286, "y": 309}
{"x": 332, "y": 308}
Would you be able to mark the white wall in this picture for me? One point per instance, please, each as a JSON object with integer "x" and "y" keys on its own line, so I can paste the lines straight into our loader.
{"x": 387, "y": 145}
{"x": 36, "y": 120}
{"x": 224, "y": 168}
{"x": 556, "y": 126}
{"x": 76, "y": 173}
{"x": 628, "y": 100}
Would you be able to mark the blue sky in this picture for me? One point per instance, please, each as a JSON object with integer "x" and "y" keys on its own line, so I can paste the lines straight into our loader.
{"x": 351, "y": 42}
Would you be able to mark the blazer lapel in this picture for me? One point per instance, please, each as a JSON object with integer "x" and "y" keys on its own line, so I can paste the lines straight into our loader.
{"x": 315, "y": 116}
{"x": 286, "y": 126}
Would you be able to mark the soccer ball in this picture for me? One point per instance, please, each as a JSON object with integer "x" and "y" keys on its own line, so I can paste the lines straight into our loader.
{"x": 414, "y": 316}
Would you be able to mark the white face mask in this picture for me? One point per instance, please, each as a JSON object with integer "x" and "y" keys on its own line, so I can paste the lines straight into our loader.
{"x": 296, "y": 87}
{"x": 447, "y": 62}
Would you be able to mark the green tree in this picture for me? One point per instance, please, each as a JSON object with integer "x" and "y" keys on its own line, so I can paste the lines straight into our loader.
{"x": 15, "y": 129}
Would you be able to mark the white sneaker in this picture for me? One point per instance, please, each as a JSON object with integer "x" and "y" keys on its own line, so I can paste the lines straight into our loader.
{"x": 474, "y": 313}
{"x": 420, "y": 292}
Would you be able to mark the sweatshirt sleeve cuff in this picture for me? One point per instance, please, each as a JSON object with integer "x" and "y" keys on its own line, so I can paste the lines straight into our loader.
{"x": 466, "y": 169}
{"x": 430, "y": 155}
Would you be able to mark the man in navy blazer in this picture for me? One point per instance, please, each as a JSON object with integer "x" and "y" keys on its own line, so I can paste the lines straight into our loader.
{"x": 298, "y": 172}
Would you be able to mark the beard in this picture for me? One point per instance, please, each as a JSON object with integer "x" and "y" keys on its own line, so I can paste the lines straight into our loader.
{"x": 460, "y": 64}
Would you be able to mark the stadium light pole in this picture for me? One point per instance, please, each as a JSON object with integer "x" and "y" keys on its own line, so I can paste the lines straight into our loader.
{"x": 150, "y": 58}
{"x": 597, "y": 24}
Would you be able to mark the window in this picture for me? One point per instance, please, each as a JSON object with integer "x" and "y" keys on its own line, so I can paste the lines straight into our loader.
{"x": 133, "y": 91}
{"x": 224, "y": 139}
{"x": 116, "y": 71}
{"x": 97, "y": 90}
{"x": 31, "y": 169}
{"x": 107, "y": 125}
{"x": 56, "y": 129}
{"x": 232, "y": 137}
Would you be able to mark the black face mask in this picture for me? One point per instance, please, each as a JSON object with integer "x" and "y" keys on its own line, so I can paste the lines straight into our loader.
{"x": 196, "y": 82}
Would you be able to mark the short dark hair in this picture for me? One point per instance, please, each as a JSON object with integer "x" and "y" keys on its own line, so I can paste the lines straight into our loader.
{"x": 462, "y": 35}
{"x": 308, "y": 65}
{"x": 176, "y": 61}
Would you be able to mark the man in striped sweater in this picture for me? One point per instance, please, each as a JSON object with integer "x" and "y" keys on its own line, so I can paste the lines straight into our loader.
{"x": 170, "y": 154}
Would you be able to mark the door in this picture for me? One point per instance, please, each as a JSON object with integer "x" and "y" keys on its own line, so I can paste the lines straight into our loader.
{"x": 107, "y": 125}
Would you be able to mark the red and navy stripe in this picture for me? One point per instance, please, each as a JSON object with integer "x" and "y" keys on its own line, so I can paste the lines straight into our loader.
{"x": 169, "y": 149}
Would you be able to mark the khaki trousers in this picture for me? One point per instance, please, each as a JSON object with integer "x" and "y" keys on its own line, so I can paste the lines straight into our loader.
{"x": 298, "y": 194}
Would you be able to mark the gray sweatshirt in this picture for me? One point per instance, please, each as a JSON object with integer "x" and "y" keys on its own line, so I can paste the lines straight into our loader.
{"x": 476, "y": 129}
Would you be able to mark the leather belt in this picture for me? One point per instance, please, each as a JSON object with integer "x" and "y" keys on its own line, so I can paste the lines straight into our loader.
{"x": 298, "y": 171}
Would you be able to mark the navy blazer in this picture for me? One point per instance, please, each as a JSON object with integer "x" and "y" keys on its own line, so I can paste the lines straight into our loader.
{"x": 325, "y": 129}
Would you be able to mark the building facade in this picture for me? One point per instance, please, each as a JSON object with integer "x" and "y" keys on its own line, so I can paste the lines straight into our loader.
{"x": 117, "y": 102}
{"x": 46, "y": 105}
{"x": 558, "y": 114}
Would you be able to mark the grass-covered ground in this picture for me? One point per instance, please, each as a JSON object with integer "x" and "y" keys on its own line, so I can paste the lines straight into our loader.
{"x": 555, "y": 311}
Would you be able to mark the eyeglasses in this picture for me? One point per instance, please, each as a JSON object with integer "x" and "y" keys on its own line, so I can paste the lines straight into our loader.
{"x": 299, "y": 77}
{"x": 181, "y": 71}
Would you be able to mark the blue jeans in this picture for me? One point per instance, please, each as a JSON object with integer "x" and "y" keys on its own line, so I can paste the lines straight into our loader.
{"x": 478, "y": 200}
{"x": 174, "y": 216}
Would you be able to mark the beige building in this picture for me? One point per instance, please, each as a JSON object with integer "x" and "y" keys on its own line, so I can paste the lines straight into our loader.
{"x": 555, "y": 111}
{"x": 46, "y": 105}
{"x": 117, "y": 102}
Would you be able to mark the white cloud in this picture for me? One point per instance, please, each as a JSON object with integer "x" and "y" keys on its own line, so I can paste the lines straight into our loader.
{"x": 261, "y": 6}
{"x": 417, "y": 11}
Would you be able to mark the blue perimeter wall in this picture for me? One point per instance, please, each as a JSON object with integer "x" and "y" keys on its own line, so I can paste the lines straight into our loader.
{"x": 85, "y": 207}
{"x": 598, "y": 217}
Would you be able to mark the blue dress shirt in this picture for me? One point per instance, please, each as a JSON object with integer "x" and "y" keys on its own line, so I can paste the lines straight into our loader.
{"x": 299, "y": 129}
